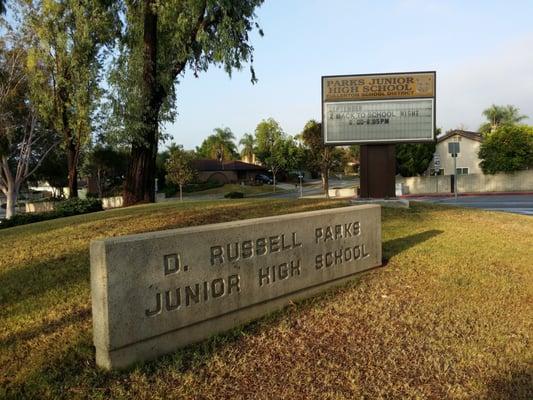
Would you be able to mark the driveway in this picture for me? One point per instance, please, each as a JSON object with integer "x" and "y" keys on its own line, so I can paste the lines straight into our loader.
{"x": 518, "y": 204}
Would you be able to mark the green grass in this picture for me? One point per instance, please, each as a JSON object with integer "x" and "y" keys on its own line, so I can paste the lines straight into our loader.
{"x": 230, "y": 187}
{"x": 449, "y": 317}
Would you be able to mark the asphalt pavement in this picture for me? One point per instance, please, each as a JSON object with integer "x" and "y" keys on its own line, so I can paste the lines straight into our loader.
{"x": 518, "y": 204}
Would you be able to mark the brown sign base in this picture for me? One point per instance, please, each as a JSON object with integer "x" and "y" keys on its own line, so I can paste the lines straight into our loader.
{"x": 378, "y": 171}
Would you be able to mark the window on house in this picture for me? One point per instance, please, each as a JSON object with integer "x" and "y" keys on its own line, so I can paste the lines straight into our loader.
{"x": 462, "y": 171}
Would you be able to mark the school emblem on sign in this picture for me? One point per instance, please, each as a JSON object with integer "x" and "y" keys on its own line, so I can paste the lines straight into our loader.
{"x": 424, "y": 84}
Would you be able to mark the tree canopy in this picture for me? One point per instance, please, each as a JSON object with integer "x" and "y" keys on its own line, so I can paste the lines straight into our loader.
{"x": 248, "y": 145}
{"x": 219, "y": 146}
{"x": 325, "y": 158}
{"x": 160, "y": 42}
{"x": 24, "y": 141}
{"x": 413, "y": 159}
{"x": 271, "y": 145}
{"x": 500, "y": 115}
{"x": 65, "y": 58}
{"x": 509, "y": 148}
{"x": 179, "y": 167}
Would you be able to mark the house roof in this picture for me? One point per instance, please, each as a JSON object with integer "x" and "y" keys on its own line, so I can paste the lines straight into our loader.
{"x": 215, "y": 165}
{"x": 467, "y": 134}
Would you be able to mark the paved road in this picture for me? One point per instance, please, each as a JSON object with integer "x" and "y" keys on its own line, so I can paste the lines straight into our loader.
{"x": 519, "y": 204}
{"x": 312, "y": 188}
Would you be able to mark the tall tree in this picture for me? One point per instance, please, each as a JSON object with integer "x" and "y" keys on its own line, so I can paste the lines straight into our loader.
{"x": 107, "y": 166}
{"x": 413, "y": 159}
{"x": 219, "y": 146}
{"x": 23, "y": 141}
{"x": 499, "y": 115}
{"x": 67, "y": 41}
{"x": 509, "y": 148}
{"x": 161, "y": 41}
{"x": 54, "y": 170}
{"x": 325, "y": 158}
{"x": 269, "y": 138}
{"x": 179, "y": 167}
{"x": 248, "y": 146}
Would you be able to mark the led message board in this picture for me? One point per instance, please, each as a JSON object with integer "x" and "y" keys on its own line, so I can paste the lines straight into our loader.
{"x": 384, "y": 108}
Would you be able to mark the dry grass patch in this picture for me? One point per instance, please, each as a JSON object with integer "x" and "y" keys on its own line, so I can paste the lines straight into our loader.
{"x": 448, "y": 317}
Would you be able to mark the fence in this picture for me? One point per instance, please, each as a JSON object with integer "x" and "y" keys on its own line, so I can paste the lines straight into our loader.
{"x": 473, "y": 183}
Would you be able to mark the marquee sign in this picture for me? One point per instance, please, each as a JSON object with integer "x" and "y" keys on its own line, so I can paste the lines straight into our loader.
{"x": 378, "y": 108}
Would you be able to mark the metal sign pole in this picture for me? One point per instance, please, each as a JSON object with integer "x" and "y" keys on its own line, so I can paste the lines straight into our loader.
{"x": 454, "y": 148}
{"x": 455, "y": 175}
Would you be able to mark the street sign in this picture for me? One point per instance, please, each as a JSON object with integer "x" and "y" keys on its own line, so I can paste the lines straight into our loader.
{"x": 436, "y": 161}
{"x": 454, "y": 148}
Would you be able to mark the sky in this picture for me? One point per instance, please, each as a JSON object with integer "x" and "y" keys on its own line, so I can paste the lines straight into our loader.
{"x": 482, "y": 52}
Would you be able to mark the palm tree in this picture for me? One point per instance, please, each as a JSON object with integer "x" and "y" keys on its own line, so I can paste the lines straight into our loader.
{"x": 224, "y": 147}
{"x": 499, "y": 115}
{"x": 219, "y": 146}
{"x": 248, "y": 146}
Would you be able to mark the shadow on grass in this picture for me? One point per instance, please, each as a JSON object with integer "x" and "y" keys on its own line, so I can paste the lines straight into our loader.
{"x": 31, "y": 281}
{"x": 73, "y": 372}
{"x": 47, "y": 328}
{"x": 394, "y": 247}
{"x": 517, "y": 386}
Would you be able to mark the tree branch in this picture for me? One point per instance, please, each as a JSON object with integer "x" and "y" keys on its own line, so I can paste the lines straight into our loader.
{"x": 41, "y": 160}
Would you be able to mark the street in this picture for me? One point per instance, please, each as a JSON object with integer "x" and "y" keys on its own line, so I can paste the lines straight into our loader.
{"x": 518, "y": 204}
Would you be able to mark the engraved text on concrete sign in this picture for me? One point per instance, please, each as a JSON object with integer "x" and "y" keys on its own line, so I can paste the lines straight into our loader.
{"x": 158, "y": 291}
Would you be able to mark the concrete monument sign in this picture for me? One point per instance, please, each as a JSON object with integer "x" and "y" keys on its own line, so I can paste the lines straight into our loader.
{"x": 155, "y": 292}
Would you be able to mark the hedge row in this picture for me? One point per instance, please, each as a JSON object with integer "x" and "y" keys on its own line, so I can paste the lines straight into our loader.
{"x": 65, "y": 208}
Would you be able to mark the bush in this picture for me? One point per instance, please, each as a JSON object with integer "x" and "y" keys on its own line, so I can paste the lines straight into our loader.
{"x": 234, "y": 195}
{"x": 62, "y": 209}
{"x": 198, "y": 187}
{"x": 27, "y": 218}
{"x": 78, "y": 206}
{"x": 509, "y": 148}
{"x": 170, "y": 190}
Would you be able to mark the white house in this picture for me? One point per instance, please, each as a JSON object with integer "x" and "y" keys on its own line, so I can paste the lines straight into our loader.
{"x": 467, "y": 159}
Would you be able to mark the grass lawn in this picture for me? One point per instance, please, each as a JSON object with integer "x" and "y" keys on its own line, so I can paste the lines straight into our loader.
{"x": 449, "y": 317}
{"x": 230, "y": 187}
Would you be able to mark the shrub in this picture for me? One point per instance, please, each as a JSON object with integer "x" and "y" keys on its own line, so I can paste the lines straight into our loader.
{"x": 27, "y": 218}
{"x": 198, "y": 187}
{"x": 62, "y": 209}
{"x": 234, "y": 195}
{"x": 78, "y": 206}
{"x": 170, "y": 190}
{"x": 509, "y": 148}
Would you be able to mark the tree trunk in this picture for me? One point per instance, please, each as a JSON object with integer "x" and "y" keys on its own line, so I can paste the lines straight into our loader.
{"x": 274, "y": 180}
{"x": 11, "y": 197}
{"x": 72, "y": 161}
{"x": 181, "y": 193}
{"x": 140, "y": 179}
{"x": 325, "y": 182}
{"x": 99, "y": 183}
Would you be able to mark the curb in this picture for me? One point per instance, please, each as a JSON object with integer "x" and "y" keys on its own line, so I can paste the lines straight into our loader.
{"x": 407, "y": 196}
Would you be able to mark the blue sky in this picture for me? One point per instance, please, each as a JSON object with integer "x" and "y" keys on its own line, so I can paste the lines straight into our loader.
{"x": 482, "y": 52}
